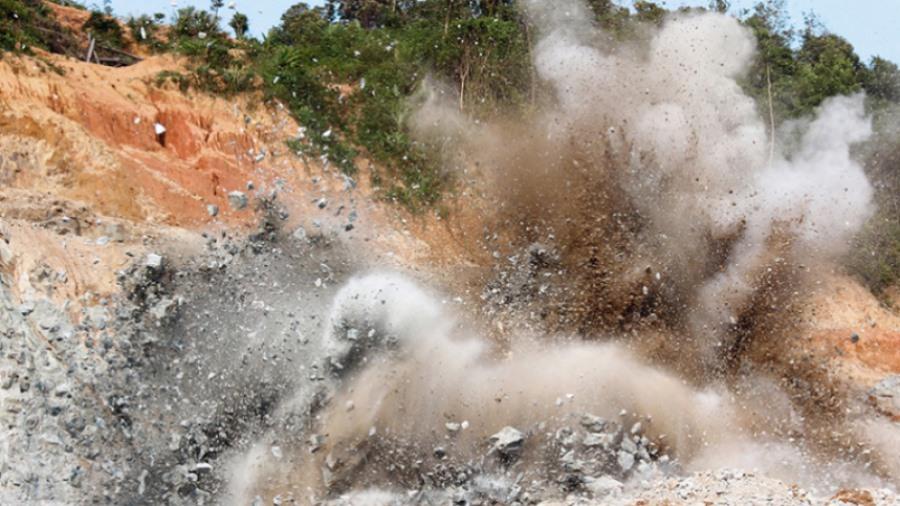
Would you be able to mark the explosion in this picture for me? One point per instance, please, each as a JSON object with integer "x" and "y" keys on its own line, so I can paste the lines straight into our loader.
{"x": 650, "y": 236}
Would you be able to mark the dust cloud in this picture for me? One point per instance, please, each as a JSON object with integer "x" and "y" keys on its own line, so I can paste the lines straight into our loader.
{"x": 668, "y": 208}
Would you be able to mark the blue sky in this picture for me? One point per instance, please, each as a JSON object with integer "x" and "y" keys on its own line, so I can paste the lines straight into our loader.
{"x": 872, "y": 26}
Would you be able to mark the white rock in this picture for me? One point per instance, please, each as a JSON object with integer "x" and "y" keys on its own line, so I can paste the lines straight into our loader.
{"x": 625, "y": 460}
{"x": 153, "y": 261}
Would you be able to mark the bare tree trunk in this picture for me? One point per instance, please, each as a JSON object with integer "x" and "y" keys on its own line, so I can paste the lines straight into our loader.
{"x": 447, "y": 18}
{"x": 90, "y": 49}
{"x": 533, "y": 91}
{"x": 462, "y": 86}
{"x": 771, "y": 116}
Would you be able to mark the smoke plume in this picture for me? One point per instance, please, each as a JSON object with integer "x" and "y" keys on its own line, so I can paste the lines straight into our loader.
{"x": 650, "y": 158}
{"x": 649, "y": 189}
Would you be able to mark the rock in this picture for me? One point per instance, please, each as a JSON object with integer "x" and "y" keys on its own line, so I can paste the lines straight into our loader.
{"x": 153, "y": 261}
{"x": 625, "y": 460}
{"x": 165, "y": 309}
{"x": 886, "y": 396}
{"x": 237, "y": 200}
{"x": 628, "y": 445}
{"x": 452, "y": 427}
{"x": 593, "y": 423}
{"x": 508, "y": 442}
{"x": 603, "y": 487}
{"x": 322, "y": 203}
{"x": 213, "y": 210}
{"x": 594, "y": 439}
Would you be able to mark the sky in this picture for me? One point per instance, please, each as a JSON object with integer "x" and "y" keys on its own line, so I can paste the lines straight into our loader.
{"x": 872, "y": 26}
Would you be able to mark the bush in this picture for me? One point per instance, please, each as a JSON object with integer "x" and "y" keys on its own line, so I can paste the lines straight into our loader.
{"x": 105, "y": 29}
{"x": 30, "y": 23}
{"x": 190, "y": 22}
{"x": 145, "y": 31}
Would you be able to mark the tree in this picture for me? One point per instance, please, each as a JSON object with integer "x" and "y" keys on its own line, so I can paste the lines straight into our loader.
{"x": 770, "y": 80}
{"x": 883, "y": 80}
{"x": 301, "y": 25}
{"x": 240, "y": 24}
{"x": 105, "y": 29}
{"x": 190, "y": 22}
{"x": 611, "y": 17}
{"x": 215, "y": 5}
{"x": 721, "y": 6}
{"x": 649, "y": 12}
{"x": 827, "y": 65}
{"x": 369, "y": 13}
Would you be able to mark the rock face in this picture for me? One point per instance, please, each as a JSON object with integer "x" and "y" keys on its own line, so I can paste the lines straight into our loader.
{"x": 92, "y": 134}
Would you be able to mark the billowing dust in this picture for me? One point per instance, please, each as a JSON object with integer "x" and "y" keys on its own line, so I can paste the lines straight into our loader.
{"x": 674, "y": 231}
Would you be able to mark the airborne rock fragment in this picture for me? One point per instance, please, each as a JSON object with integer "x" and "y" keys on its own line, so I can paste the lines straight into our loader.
{"x": 508, "y": 442}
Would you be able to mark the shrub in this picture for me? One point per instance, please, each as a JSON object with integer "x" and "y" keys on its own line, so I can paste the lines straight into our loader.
{"x": 105, "y": 29}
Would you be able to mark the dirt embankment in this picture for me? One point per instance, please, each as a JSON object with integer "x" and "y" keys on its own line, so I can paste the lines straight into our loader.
{"x": 82, "y": 161}
{"x": 90, "y": 135}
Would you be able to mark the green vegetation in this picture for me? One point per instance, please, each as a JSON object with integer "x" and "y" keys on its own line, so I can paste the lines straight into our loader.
{"x": 381, "y": 52}
{"x": 145, "y": 30}
{"x": 105, "y": 29}
{"x": 219, "y": 65}
{"x": 347, "y": 72}
{"x": 29, "y": 23}
{"x": 240, "y": 24}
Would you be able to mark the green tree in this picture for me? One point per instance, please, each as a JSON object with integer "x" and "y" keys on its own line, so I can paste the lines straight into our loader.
{"x": 240, "y": 24}
{"x": 883, "y": 80}
{"x": 610, "y": 16}
{"x": 105, "y": 29}
{"x": 301, "y": 26}
{"x": 215, "y": 5}
{"x": 827, "y": 65}
{"x": 369, "y": 13}
{"x": 649, "y": 12}
{"x": 721, "y": 6}
{"x": 190, "y": 22}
